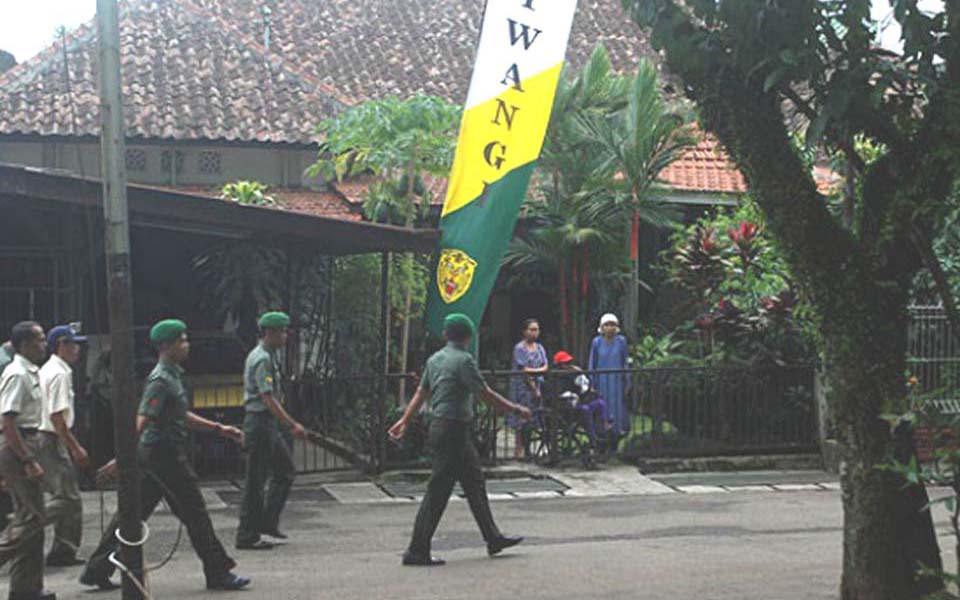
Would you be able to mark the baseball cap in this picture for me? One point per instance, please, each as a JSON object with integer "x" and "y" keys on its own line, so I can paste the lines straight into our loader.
{"x": 562, "y": 357}
{"x": 66, "y": 333}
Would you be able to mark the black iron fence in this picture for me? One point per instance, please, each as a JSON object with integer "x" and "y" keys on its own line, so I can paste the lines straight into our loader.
{"x": 665, "y": 412}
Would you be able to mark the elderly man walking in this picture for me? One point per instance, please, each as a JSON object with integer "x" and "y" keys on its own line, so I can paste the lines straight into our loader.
{"x": 59, "y": 449}
{"x": 21, "y": 406}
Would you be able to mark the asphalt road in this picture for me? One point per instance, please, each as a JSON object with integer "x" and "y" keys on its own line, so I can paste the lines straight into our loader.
{"x": 737, "y": 546}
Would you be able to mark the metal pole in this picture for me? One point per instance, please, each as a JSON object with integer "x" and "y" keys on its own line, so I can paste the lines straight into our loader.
{"x": 117, "y": 245}
{"x": 381, "y": 392}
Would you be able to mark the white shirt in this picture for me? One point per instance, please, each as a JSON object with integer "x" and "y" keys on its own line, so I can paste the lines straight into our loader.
{"x": 20, "y": 392}
{"x": 56, "y": 381}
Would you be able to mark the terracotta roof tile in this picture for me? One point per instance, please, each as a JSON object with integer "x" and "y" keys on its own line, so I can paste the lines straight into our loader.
{"x": 705, "y": 168}
{"x": 198, "y": 69}
{"x": 186, "y": 77}
{"x": 373, "y": 48}
{"x": 320, "y": 204}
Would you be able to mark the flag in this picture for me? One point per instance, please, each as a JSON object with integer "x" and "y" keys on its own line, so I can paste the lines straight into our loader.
{"x": 519, "y": 59}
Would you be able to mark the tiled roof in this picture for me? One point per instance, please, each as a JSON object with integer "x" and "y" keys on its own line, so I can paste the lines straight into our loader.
{"x": 374, "y": 48}
{"x": 186, "y": 77}
{"x": 354, "y": 189}
{"x": 318, "y": 204}
{"x": 705, "y": 168}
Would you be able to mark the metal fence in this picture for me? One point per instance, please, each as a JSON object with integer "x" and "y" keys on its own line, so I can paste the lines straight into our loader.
{"x": 670, "y": 412}
{"x": 934, "y": 356}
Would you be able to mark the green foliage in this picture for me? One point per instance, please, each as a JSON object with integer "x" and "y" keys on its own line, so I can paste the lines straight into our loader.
{"x": 947, "y": 248}
{"x": 248, "y": 193}
{"x": 398, "y": 142}
{"x": 608, "y": 140}
{"x": 742, "y": 288}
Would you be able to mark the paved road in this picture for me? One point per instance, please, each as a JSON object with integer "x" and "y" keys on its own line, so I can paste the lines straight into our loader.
{"x": 736, "y": 546}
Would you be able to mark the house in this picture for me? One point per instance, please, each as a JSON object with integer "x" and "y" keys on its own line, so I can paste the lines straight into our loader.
{"x": 221, "y": 90}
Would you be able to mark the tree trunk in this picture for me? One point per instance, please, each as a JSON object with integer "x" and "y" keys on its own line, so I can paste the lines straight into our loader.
{"x": 408, "y": 293}
{"x": 887, "y": 533}
{"x": 632, "y": 306}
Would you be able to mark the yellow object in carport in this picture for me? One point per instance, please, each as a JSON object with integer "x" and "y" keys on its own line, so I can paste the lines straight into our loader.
{"x": 217, "y": 391}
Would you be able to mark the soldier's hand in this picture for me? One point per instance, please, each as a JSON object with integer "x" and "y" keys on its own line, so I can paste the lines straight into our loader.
{"x": 81, "y": 457}
{"x": 232, "y": 433}
{"x": 107, "y": 472}
{"x": 524, "y": 412}
{"x": 33, "y": 469}
{"x": 298, "y": 431}
{"x": 398, "y": 430}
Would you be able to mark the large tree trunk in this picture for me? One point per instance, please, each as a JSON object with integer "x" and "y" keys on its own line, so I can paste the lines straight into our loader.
{"x": 887, "y": 533}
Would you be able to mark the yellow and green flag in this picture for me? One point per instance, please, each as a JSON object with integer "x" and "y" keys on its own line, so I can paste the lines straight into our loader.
{"x": 519, "y": 58}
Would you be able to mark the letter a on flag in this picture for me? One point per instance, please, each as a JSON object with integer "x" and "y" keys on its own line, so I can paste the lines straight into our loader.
{"x": 519, "y": 59}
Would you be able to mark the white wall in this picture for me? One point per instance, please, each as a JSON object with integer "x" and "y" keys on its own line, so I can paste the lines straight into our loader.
{"x": 274, "y": 166}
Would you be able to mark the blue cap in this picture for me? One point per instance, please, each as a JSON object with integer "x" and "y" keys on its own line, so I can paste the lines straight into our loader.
{"x": 65, "y": 333}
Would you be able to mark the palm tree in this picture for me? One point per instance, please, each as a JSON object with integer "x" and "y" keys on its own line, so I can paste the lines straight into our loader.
{"x": 609, "y": 138}
{"x": 637, "y": 144}
{"x": 574, "y": 241}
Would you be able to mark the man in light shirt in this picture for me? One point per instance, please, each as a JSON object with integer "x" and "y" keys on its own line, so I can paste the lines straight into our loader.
{"x": 59, "y": 449}
{"x": 21, "y": 407}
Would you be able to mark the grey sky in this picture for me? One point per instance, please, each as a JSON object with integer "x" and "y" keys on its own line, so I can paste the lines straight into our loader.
{"x": 29, "y": 26}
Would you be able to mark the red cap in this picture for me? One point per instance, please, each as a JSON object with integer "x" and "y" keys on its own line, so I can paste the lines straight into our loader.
{"x": 562, "y": 357}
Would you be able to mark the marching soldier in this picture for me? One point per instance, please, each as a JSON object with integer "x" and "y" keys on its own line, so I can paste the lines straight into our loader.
{"x": 59, "y": 449}
{"x": 21, "y": 404}
{"x": 449, "y": 381}
{"x": 268, "y": 452}
{"x": 163, "y": 421}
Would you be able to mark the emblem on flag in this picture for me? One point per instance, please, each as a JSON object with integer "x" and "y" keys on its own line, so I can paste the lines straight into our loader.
{"x": 454, "y": 274}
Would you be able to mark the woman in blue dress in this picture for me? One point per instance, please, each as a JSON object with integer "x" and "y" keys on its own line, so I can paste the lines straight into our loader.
{"x": 530, "y": 358}
{"x": 609, "y": 351}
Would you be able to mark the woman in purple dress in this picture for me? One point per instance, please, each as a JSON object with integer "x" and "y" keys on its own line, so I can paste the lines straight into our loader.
{"x": 609, "y": 351}
{"x": 530, "y": 358}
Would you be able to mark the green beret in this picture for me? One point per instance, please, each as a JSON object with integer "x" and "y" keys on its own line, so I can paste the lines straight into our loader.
{"x": 167, "y": 330}
{"x": 459, "y": 319}
{"x": 274, "y": 320}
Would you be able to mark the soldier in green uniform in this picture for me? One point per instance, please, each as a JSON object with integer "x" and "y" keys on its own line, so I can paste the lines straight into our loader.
{"x": 450, "y": 380}
{"x": 163, "y": 421}
{"x": 268, "y": 449}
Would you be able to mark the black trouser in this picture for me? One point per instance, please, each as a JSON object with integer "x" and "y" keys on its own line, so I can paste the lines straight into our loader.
{"x": 270, "y": 466}
{"x": 454, "y": 459}
{"x": 167, "y": 474}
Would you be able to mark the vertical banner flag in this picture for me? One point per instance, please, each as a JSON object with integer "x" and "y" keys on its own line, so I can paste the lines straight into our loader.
{"x": 519, "y": 58}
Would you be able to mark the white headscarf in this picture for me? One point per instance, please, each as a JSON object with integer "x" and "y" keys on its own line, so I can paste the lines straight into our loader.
{"x": 608, "y": 318}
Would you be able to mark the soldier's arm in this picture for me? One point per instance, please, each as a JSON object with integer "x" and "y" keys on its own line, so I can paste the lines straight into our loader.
{"x": 282, "y": 415}
{"x": 399, "y": 429}
{"x": 474, "y": 381}
{"x": 498, "y": 402}
{"x": 195, "y": 421}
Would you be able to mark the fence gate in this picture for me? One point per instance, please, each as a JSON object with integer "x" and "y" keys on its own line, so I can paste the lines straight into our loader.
{"x": 934, "y": 356}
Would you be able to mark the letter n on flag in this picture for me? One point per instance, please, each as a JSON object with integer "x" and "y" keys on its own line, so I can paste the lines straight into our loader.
{"x": 519, "y": 59}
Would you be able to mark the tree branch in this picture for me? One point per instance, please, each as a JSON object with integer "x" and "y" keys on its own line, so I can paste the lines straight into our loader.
{"x": 924, "y": 245}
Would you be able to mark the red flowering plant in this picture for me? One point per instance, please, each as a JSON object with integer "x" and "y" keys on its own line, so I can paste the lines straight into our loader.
{"x": 746, "y": 244}
{"x": 739, "y": 290}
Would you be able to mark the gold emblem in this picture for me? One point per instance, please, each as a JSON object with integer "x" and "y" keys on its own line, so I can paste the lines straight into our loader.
{"x": 454, "y": 274}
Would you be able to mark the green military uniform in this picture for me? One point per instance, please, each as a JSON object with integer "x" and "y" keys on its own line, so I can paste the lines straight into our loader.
{"x": 167, "y": 474}
{"x": 269, "y": 456}
{"x": 452, "y": 377}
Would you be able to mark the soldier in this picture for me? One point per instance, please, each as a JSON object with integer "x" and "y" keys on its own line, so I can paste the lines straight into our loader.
{"x": 58, "y": 446}
{"x": 449, "y": 381}
{"x": 21, "y": 404}
{"x": 268, "y": 452}
{"x": 162, "y": 421}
